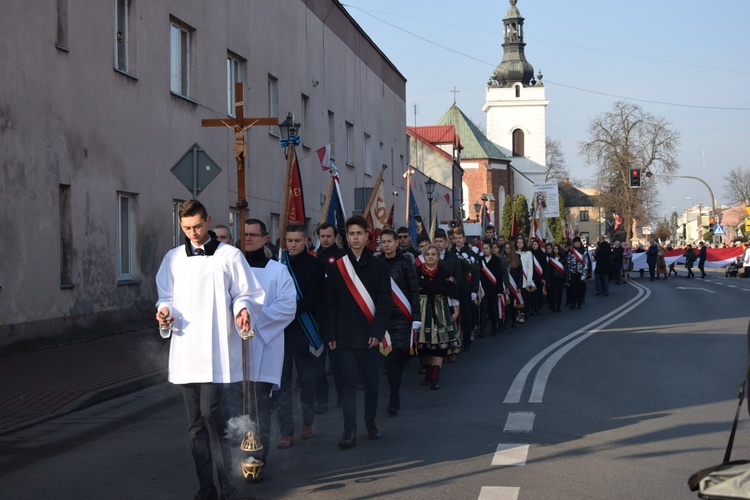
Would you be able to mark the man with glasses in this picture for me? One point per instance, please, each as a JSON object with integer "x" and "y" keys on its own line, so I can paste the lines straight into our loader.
{"x": 404, "y": 242}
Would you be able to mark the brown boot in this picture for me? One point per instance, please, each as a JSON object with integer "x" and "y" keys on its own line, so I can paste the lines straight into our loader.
{"x": 435, "y": 378}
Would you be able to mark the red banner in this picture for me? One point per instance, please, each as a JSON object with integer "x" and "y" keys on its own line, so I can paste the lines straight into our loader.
{"x": 296, "y": 211}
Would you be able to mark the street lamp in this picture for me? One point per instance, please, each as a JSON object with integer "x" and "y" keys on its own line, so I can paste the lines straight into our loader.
{"x": 430, "y": 185}
{"x": 477, "y": 208}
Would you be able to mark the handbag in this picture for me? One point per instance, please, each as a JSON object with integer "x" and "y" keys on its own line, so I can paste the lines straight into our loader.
{"x": 731, "y": 478}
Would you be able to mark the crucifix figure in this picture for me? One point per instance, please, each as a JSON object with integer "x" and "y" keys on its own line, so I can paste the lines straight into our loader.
{"x": 239, "y": 125}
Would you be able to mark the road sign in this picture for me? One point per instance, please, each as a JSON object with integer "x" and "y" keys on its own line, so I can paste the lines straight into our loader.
{"x": 646, "y": 230}
{"x": 195, "y": 170}
{"x": 719, "y": 230}
{"x": 747, "y": 225}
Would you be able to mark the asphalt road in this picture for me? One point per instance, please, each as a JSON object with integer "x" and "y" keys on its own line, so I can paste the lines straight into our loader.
{"x": 623, "y": 399}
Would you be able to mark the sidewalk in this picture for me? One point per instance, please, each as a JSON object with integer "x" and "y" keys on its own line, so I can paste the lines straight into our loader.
{"x": 39, "y": 385}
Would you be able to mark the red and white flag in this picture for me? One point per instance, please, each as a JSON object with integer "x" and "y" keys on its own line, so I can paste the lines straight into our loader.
{"x": 324, "y": 154}
{"x": 448, "y": 199}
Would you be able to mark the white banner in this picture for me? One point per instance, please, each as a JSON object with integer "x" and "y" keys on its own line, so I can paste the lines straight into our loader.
{"x": 548, "y": 194}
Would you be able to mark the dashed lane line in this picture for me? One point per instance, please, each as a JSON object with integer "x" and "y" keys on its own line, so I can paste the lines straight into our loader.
{"x": 511, "y": 454}
{"x": 499, "y": 493}
{"x": 519, "y": 421}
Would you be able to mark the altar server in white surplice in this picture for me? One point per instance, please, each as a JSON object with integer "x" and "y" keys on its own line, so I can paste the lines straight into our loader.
{"x": 207, "y": 294}
{"x": 267, "y": 347}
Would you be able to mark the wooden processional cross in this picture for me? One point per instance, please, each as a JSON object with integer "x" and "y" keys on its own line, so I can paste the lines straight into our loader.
{"x": 239, "y": 125}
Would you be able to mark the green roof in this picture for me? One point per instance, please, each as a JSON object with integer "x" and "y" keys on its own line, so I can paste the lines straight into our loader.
{"x": 475, "y": 143}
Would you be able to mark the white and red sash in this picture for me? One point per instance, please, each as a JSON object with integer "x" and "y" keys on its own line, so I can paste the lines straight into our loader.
{"x": 361, "y": 297}
{"x": 578, "y": 257}
{"x": 554, "y": 262}
{"x": 537, "y": 267}
{"x": 488, "y": 273}
{"x": 501, "y": 305}
{"x": 400, "y": 300}
{"x": 515, "y": 292}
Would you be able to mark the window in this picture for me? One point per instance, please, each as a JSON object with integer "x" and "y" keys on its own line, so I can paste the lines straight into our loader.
{"x": 331, "y": 133}
{"x": 518, "y": 91}
{"x": 381, "y": 157}
{"x": 178, "y": 237}
{"x": 305, "y": 101}
{"x": 273, "y": 103}
{"x": 518, "y": 142}
{"x": 66, "y": 238}
{"x": 235, "y": 74}
{"x": 583, "y": 216}
{"x": 122, "y": 35}
{"x": 180, "y": 59}
{"x": 126, "y": 258}
{"x": 349, "y": 144}
{"x": 234, "y": 223}
{"x": 62, "y": 25}
{"x": 368, "y": 161}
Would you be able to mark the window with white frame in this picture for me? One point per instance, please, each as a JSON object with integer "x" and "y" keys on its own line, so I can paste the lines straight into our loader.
{"x": 273, "y": 102}
{"x": 126, "y": 245}
{"x": 179, "y": 58}
{"x": 583, "y": 216}
{"x": 368, "y": 161}
{"x": 349, "y": 144}
{"x": 235, "y": 74}
{"x": 234, "y": 223}
{"x": 178, "y": 236}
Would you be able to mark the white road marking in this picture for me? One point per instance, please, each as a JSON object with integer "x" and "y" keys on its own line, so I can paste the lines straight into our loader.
{"x": 499, "y": 493}
{"x": 508, "y": 454}
{"x": 516, "y": 388}
{"x": 519, "y": 421}
{"x": 694, "y": 288}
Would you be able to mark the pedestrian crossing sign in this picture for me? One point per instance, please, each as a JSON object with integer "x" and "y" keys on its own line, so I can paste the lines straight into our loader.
{"x": 719, "y": 230}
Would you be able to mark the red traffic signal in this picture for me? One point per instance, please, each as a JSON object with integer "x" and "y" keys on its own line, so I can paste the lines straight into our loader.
{"x": 635, "y": 177}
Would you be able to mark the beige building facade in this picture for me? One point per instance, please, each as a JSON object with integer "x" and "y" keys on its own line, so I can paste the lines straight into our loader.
{"x": 100, "y": 99}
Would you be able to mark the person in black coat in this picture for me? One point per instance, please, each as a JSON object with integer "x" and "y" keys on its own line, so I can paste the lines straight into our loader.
{"x": 353, "y": 329}
{"x": 468, "y": 286}
{"x": 602, "y": 256}
{"x": 555, "y": 277}
{"x": 494, "y": 280}
{"x": 327, "y": 252}
{"x": 651, "y": 255}
{"x": 702, "y": 256}
{"x": 404, "y": 274}
{"x": 540, "y": 258}
{"x": 618, "y": 252}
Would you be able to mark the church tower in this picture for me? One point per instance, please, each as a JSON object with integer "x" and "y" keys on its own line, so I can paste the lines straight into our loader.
{"x": 515, "y": 105}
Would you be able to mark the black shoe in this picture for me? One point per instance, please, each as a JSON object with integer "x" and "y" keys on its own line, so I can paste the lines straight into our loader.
{"x": 321, "y": 408}
{"x": 467, "y": 348}
{"x": 348, "y": 439}
{"x": 580, "y": 306}
{"x": 392, "y": 411}
{"x": 228, "y": 491}
{"x": 606, "y": 294}
{"x": 209, "y": 493}
{"x": 372, "y": 431}
{"x": 435, "y": 385}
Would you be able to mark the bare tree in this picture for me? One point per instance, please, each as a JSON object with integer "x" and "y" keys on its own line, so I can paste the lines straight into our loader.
{"x": 622, "y": 139}
{"x": 556, "y": 167}
{"x": 738, "y": 185}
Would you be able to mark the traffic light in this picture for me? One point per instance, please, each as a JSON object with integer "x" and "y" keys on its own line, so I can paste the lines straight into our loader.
{"x": 635, "y": 177}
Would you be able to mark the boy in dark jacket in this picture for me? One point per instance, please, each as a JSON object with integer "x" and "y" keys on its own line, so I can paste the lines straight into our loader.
{"x": 358, "y": 310}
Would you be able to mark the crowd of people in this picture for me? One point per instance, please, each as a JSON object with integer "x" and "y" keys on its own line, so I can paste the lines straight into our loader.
{"x": 345, "y": 311}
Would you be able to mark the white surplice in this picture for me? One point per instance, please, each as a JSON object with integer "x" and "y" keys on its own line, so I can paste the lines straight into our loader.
{"x": 204, "y": 294}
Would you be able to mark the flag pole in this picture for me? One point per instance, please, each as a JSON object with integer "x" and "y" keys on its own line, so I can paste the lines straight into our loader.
{"x": 327, "y": 204}
{"x": 374, "y": 191}
{"x": 408, "y": 192}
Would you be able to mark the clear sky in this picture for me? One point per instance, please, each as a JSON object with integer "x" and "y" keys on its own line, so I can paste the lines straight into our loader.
{"x": 684, "y": 60}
